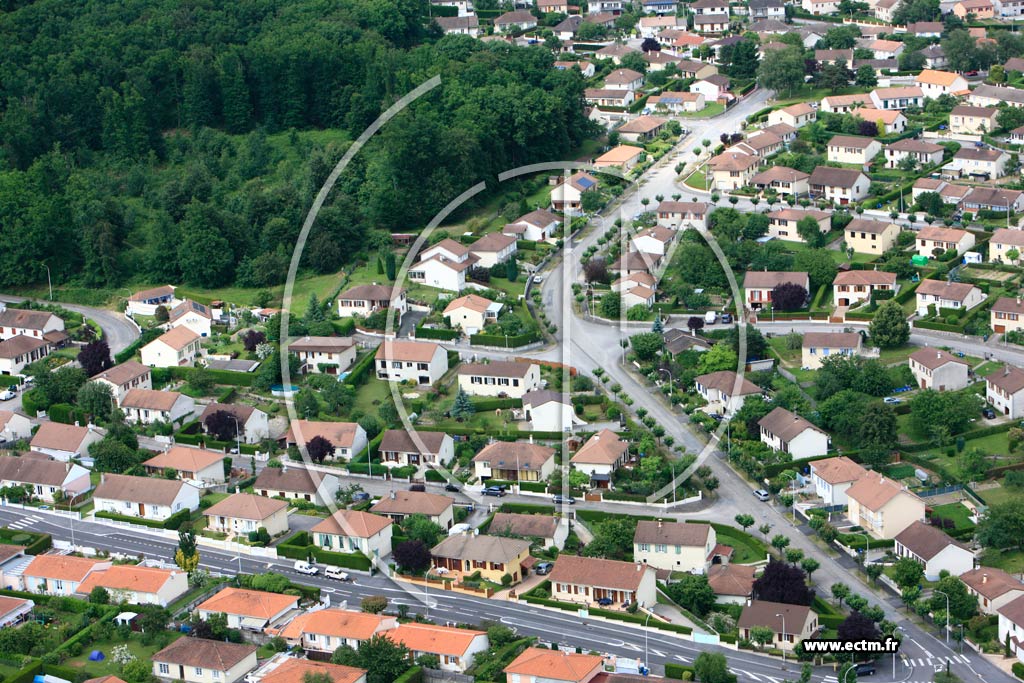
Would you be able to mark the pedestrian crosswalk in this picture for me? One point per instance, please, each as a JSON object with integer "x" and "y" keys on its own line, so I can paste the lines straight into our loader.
{"x": 26, "y": 521}
{"x": 920, "y": 664}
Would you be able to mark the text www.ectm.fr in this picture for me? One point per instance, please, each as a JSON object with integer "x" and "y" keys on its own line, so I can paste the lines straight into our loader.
{"x": 832, "y": 646}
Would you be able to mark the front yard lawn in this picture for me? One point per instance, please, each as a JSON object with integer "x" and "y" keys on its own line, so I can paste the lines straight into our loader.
{"x": 108, "y": 667}
{"x": 957, "y": 512}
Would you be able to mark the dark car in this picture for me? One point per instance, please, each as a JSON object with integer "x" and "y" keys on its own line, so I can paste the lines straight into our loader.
{"x": 564, "y": 500}
{"x": 988, "y": 414}
{"x": 543, "y": 568}
{"x": 360, "y": 496}
{"x": 451, "y": 487}
{"x": 867, "y": 669}
{"x": 417, "y": 487}
{"x": 604, "y": 602}
{"x": 493, "y": 491}
{"x": 727, "y": 318}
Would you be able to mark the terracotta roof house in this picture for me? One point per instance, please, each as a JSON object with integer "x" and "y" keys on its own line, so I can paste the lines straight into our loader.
{"x": 833, "y": 476}
{"x": 244, "y": 513}
{"x": 623, "y": 157}
{"x": 14, "y": 610}
{"x": 548, "y": 528}
{"x": 789, "y": 623}
{"x": 25, "y": 322}
{"x": 296, "y": 483}
{"x": 248, "y": 609}
{"x": 499, "y": 378}
{"x": 64, "y": 442}
{"x": 146, "y": 301}
{"x": 45, "y": 477}
{"x": 541, "y": 224}
{"x": 538, "y": 665}
{"x": 352, "y": 531}
{"x": 193, "y": 315}
{"x": 947, "y": 294}
{"x": 399, "y": 448}
{"x": 148, "y": 406}
{"x": 20, "y": 351}
{"x": 883, "y": 507}
{"x": 331, "y": 355}
{"x": 455, "y": 648}
{"x": 137, "y": 585}
{"x": 348, "y": 438}
{"x": 178, "y": 347}
{"x": 787, "y": 432}
{"x": 1011, "y": 625}
{"x": 759, "y": 284}
{"x": 853, "y": 286}
{"x": 993, "y": 587}
{"x": 1007, "y": 314}
{"x": 400, "y": 504}
{"x": 852, "y": 149}
{"x": 514, "y": 461}
{"x": 492, "y": 556}
{"x": 285, "y": 668}
{"x": 932, "y": 237}
{"x": 725, "y": 390}
{"x": 550, "y": 411}
{"x": 600, "y": 456}
{"x": 471, "y": 313}
{"x": 840, "y": 185}
{"x": 733, "y": 584}
{"x": 364, "y": 300}
{"x": 595, "y": 581}
{"x": 324, "y": 631}
{"x": 125, "y": 377}
{"x": 783, "y": 180}
{"x": 59, "y": 574}
{"x": 935, "y": 550}
{"x": 677, "y": 546}
{"x": 14, "y": 427}
{"x": 253, "y": 422}
{"x": 146, "y": 497}
{"x": 938, "y": 369}
{"x": 1004, "y": 390}
{"x": 417, "y": 362}
{"x": 494, "y": 248}
{"x": 197, "y": 660}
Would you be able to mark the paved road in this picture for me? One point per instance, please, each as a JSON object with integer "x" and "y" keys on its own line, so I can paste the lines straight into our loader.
{"x": 117, "y": 330}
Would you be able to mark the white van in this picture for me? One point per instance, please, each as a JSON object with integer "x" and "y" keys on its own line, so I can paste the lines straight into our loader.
{"x": 335, "y": 573}
{"x": 711, "y": 317}
{"x": 305, "y": 568}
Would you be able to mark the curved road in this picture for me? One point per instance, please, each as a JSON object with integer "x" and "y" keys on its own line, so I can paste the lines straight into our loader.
{"x": 118, "y": 330}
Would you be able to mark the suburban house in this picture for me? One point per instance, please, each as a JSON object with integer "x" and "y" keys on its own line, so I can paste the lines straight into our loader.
{"x": 499, "y": 378}
{"x": 600, "y": 456}
{"x": 540, "y": 665}
{"x": 400, "y": 448}
{"x": 852, "y": 149}
{"x": 518, "y": 20}
{"x": 867, "y": 236}
{"x": 321, "y": 632}
{"x": 364, "y": 300}
{"x": 297, "y": 483}
{"x": 761, "y": 144}
{"x": 248, "y": 609}
{"x": 540, "y": 225}
{"x": 1011, "y": 626}
{"x": 624, "y": 79}
{"x": 348, "y": 438}
{"x": 1007, "y": 315}
{"x": 679, "y": 214}
{"x": 883, "y": 507}
{"x": 840, "y": 185}
{"x": 324, "y": 354}
{"x": 677, "y": 546}
{"x": 926, "y": 29}
{"x": 796, "y": 115}
{"x": 946, "y": 294}
{"x": 992, "y": 199}
{"x": 767, "y": 9}
{"x": 782, "y": 223}
{"x": 758, "y": 285}
{"x": 492, "y": 556}
{"x": 145, "y": 497}
{"x": 549, "y": 411}
{"x": 14, "y": 611}
{"x": 1004, "y": 390}
{"x": 471, "y": 313}
{"x": 725, "y": 390}
{"x": 197, "y": 660}
{"x": 285, "y": 668}
{"x": 993, "y": 587}
{"x": 549, "y": 530}
{"x": 939, "y": 370}
{"x": 981, "y": 164}
{"x": 886, "y": 121}
{"x": 17, "y": 352}
{"x": 623, "y": 157}
{"x": 124, "y": 377}
{"x": 148, "y": 300}
{"x": 595, "y": 581}
{"x": 59, "y": 574}
{"x": 979, "y": 9}
{"x": 411, "y": 361}
{"x": 14, "y": 427}
{"x": 195, "y": 316}
{"x": 147, "y": 406}
{"x": 242, "y": 513}
{"x": 789, "y": 433}
{"x": 935, "y": 83}
{"x": 174, "y": 348}
{"x": 400, "y": 504}
{"x": 789, "y": 623}
{"x": 493, "y": 248}
{"x": 469, "y": 26}
{"x": 352, "y": 531}
{"x": 833, "y": 476}
{"x": 677, "y": 102}
{"x": 934, "y": 550}
{"x": 969, "y": 120}
{"x": 923, "y": 153}
{"x": 455, "y": 648}
{"x": 443, "y": 266}
{"x": 732, "y": 170}
{"x": 782, "y": 180}
{"x": 853, "y": 286}
{"x": 514, "y": 461}
{"x": 733, "y": 584}
{"x": 42, "y": 325}
{"x": 196, "y": 464}
{"x": 608, "y": 97}
{"x": 64, "y": 442}
{"x": 932, "y": 240}
{"x": 653, "y": 240}
{"x": 251, "y": 422}
{"x": 137, "y": 584}
{"x": 897, "y": 98}
{"x": 44, "y": 477}
{"x": 840, "y": 104}
{"x": 642, "y": 128}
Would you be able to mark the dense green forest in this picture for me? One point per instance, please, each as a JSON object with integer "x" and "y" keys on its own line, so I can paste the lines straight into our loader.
{"x": 183, "y": 141}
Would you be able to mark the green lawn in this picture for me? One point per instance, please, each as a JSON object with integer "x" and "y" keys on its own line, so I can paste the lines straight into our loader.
{"x": 957, "y": 512}
{"x": 1011, "y": 562}
{"x": 371, "y": 394}
{"x": 713, "y": 109}
{"x": 699, "y": 178}
{"x": 323, "y": 285}
{"x": 108, "y": 667}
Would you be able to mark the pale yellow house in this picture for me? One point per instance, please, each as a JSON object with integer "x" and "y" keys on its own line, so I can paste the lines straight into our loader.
{"x": 866, "y": 236}
{"x": 732, "y": 170}
{"x": 198, "y": 660}
{"x": 1007, "y": 315}
{"x": 817, "y": 346}
{"x": 492, "y": 556}
{"x": 883, "y": 507}
{"x": 676, "y": 546}
{"x": 352, "y": 531}
{"x": 853, "y": 149}
{"x": 242, "y": 513}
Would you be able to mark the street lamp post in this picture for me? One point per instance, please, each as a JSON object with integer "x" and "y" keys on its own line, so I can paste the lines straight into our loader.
{"x": 783, "y": 617}
{"x": 646, "y": 663}
{"x": 895, "y": 628}
{"x": 946, "y": 595}
{"x": 852, "y": 668}
{"x": 49, "y": 282}
{"x": 867, "y": 545}
{"x": 671, "y": 383}
{"x": 238, "y": 436}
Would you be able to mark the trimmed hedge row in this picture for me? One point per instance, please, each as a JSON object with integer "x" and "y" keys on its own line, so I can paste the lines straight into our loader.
{"x": 225, "y": 377}
{"x": 129, "y": 351}
{"x": 173, "y": 522}
{"x": 679, "y": 671}
{"x": 608, "y": 614}
{"x": 359, "y": 372}
{"x": 294, "y": 549}
{"x": 413, "y": 675}
{"x": 496, "y": 403}
{"x": 435, "y": 333}
{"x": 40, "y": 544}
{"x": 503, "y": 341}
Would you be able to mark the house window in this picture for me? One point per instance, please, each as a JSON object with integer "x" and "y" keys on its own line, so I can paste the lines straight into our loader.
{"x": 199, "y": 671}
{"x": 163, "y": 668}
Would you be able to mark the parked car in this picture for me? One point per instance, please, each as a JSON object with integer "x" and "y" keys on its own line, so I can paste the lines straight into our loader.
{"x": 564, "y": 500}
{"x": 727, "y": 318}
{"x": 867, "y": 669}
{"x": 604, "y": 602}
{"x": 360, "y": 496}
{"x": 417, "y": 487}
{"x": 762, "y": 495}
{"x": 7, "y": 395}
{"x": 336, "y": 573}
{"x": 891, "y": 400}
{"x": 543, "y": 568}
{"x": 988, "y": 414}
{"x": 305, "y": 568}
{"x": 451, "y": 487}
{"x": 493, "y": 491}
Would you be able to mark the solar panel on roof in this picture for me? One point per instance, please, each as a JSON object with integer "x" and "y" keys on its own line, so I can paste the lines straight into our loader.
{"x": 586, "y": 182}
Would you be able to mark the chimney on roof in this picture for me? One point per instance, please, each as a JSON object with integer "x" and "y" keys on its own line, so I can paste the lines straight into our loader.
{"x": 392, "y": 495}
{"x": 984, "y": 579}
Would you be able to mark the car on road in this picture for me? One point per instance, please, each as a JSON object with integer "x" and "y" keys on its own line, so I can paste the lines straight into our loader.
{"x": 538, "y": 279}
{"x": 336, "y": 573}
{"x": 305, "y": 568}
{"x": 417, "y": 487}
{"x": 867, "y": 669}
{"x": 762, "y": 495}
{"x": 891, "y": 400}
{"x": 496, "y": 491}
{"x": 564, "y": 500}
{"x": 7, "y": 395}
{"x": 727, "y": 318}
{"x": 451, "y": 487}
{"x": 988, "y": 414}
{"x": 543, "y": 568}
